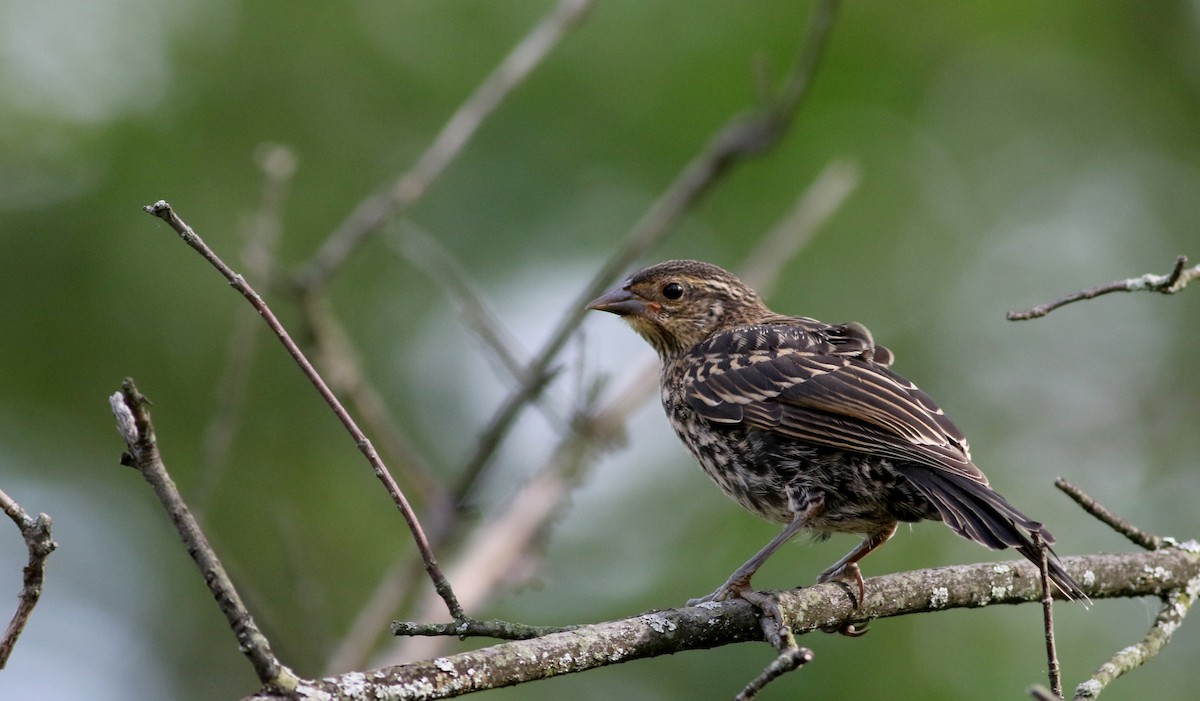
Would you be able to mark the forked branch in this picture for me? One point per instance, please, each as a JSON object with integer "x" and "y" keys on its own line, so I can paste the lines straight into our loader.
{"x": 36, "y": 533}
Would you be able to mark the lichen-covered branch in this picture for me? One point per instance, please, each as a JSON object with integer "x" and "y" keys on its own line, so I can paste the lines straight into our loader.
{"x": 822, "y": 607}
{"x": 1175, "y": 608}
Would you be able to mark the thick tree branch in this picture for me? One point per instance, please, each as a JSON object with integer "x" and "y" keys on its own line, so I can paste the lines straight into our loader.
{"x": 36, "y": 533}
{"x": 822, "y": 607}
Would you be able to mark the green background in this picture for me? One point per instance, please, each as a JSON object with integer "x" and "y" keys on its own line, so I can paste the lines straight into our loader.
{"x": 1008, "y": 153}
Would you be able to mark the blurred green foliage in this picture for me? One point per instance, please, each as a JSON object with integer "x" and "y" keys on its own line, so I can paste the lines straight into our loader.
{"x": 1009, "y": 153}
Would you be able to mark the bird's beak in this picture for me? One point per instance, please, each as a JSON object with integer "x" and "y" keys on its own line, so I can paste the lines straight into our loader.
{"x": 619, "y": 301}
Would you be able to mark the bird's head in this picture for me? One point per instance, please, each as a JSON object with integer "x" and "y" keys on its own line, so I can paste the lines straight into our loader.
{"x": 679, "y": 303}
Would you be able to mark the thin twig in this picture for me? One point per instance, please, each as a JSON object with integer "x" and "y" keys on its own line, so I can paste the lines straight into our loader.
{"x": 1175, "y": 607}
{"x": 1052, "y": 668}
{"x": 789, "y": 660}
{"x": 262, "y": 233}
{"x": 820, "y": 200}
{"x": 748, "y": 134}
{"x": 424, "y": 252}
{"x": 162, "y": 210}
{"x": 36, "y": 534}
{"x": 1168, "y": 284}
{"x": 334, "y": 352}
{"x": 1139, "y": 537}
{"x": 131, "y": 410}
{"x": 431, "y": 258}
{"x": 372, "y": 213}
{"x": 508, "y": 534}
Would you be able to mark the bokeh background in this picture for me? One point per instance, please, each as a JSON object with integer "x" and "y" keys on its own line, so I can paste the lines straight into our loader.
{"x": 1006, "y": 153}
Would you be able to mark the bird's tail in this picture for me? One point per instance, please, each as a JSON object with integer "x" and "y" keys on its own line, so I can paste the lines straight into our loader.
{"x": 977, "y": 512}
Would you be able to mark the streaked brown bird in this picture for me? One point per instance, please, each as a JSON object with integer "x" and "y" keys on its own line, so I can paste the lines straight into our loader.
{"x": 806, "y": 424}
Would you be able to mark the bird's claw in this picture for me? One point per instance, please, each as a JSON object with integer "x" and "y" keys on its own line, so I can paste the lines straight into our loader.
{"x": 775, "y": 629}
{"x": 734, "y": 588}
{"x": 850, "y": 575}
{"x": 847, "y": 629}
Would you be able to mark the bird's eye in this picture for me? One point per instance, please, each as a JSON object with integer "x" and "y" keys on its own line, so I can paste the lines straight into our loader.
{"x": 672, "y": 290}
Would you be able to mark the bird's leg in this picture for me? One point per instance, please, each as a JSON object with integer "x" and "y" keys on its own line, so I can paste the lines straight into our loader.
{"x": 846, "y": 569}
{"x": 738, "y": 583}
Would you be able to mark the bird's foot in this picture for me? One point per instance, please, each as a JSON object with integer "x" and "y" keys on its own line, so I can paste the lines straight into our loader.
{"x": 733, "y": 588}
{"x": 851, "y": 576}
{"x": 847, "y": 629}
{"x": 775, "y": 630}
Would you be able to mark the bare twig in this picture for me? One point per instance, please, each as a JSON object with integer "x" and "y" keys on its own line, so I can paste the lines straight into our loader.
{"x": 789, "y": 660}
{"x": 716, "y": 624}
{"x": 820, "y": 200}
{"x": 1052, "y": 668}
{"x": 162, "y": 210}
{"x": 1176, "y": 605}
{"x": 1139, "y": 537}
{"x": 373, "y": 212}
{"x": 748, "y": 134}
{"x": 335, "y": 353}
{"x": 423, "y": 251}
{"x": 1041, "y": 693}
{"x": 129, "y": 407}
{"x": 1168, "y": 284}
{"x": 278, "y": 165}
{"x": 507, "y": 535}
{"x": 36, "y": 534}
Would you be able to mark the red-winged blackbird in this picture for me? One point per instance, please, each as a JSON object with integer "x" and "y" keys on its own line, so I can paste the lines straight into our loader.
{"x": 805, "y": 423}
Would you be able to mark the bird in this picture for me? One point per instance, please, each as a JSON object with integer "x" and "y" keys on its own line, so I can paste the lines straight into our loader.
{"x": 806, "y": 424}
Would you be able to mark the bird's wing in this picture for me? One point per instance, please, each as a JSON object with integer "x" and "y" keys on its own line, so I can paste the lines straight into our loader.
{"x": 824, "y": 385}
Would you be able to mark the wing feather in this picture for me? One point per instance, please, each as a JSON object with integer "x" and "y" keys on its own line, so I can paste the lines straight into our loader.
{"x": 831, "y": 386}
{"x": 820, "y": 384}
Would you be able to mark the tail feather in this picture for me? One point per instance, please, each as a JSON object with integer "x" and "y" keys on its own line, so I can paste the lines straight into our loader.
{"x": 978, "y": 513}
